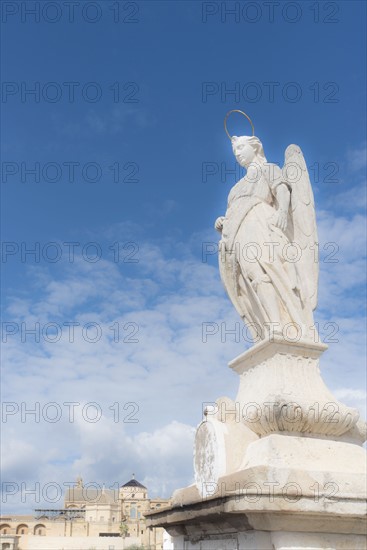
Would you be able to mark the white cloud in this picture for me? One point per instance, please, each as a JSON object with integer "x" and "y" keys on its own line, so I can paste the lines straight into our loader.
{"x": 165, "y": 373}
{"x": 357, "y": 158}
{"x": 342, "y": 263}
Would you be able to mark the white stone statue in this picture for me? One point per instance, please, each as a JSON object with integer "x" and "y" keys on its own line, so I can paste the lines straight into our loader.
{"x": 282, "y": 466}
{"x": 269, "y": 249}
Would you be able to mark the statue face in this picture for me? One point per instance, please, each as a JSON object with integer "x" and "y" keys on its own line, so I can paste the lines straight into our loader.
{"x": 243, "y": 151}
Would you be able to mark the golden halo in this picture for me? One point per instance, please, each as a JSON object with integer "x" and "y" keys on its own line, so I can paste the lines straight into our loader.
{"x": 242, "y": 113}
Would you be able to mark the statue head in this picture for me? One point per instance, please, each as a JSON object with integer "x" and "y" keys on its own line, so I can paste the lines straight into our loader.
{"x": 247, "y": 150}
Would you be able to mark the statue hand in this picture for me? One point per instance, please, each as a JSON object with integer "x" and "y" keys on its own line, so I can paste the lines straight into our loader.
{"x": 219, "y": 224}
{"x": 281, "y": 219}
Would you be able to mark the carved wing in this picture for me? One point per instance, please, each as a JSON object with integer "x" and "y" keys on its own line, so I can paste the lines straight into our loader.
{"x": 302, "y": 229}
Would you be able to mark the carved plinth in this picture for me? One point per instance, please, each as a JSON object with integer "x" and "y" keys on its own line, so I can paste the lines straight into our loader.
{"x": 281, "y": 390}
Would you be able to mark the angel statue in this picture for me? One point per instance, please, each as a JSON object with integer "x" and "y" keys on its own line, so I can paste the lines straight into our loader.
{"x": 268, "y": 253}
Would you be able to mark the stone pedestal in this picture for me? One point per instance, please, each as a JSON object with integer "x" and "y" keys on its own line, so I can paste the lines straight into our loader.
{"x": 281, "y": 390}
{"x": 281, "y": 467}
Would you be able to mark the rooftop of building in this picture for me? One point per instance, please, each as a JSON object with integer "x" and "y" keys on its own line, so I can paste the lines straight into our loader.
{"x": 86, "y": 494}
{"x": 134, "y": 483}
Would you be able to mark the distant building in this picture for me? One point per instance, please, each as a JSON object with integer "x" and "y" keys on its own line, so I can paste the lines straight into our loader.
{"x": 91, "y": 518}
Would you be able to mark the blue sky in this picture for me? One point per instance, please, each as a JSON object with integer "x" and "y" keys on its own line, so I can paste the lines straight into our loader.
{"x": 174, "y": 65}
